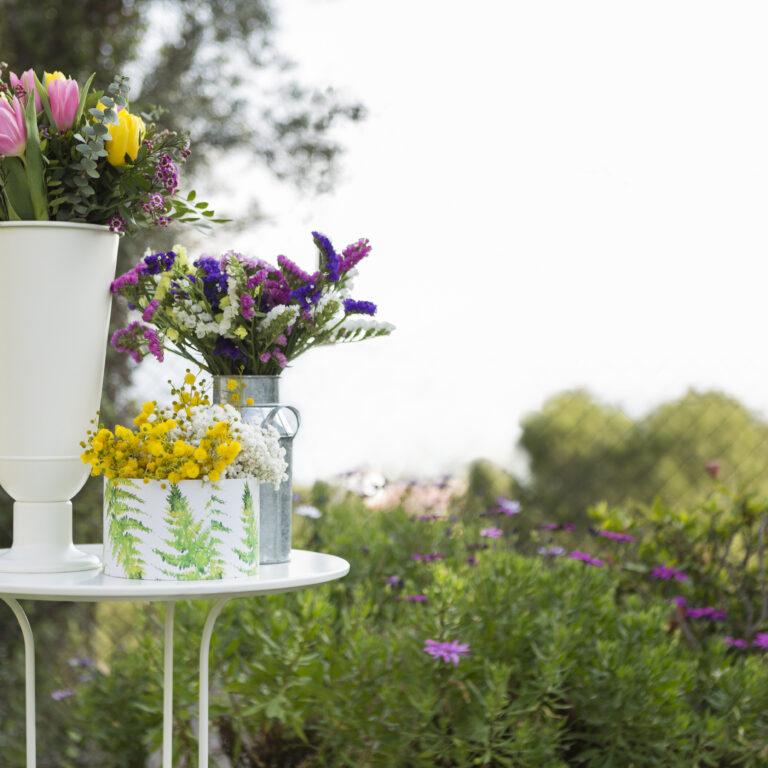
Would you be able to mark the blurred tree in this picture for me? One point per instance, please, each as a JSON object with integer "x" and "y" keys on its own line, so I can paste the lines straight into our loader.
{"x": 582, "y": 451}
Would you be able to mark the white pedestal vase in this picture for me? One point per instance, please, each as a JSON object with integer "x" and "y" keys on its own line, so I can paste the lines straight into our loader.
{"x": 54, "y": 320}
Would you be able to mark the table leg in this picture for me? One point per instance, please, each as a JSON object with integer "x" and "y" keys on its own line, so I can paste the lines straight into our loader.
{"x": 205, "y": 646}
{"x": 168, "y": 687}
{"x": 29, "y": 676}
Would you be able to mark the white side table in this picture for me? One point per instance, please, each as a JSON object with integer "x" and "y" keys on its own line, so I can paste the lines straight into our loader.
{"x": 305, "y": 569}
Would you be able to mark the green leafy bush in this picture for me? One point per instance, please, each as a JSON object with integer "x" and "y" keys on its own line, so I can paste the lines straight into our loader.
{"x": 567, "y": 664}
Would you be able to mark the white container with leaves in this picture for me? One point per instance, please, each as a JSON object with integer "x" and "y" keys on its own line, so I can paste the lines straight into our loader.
{"x": 192, "y": 529}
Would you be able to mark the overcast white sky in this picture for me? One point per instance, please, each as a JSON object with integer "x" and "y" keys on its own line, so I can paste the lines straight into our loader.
{"x": 558, "y": 194}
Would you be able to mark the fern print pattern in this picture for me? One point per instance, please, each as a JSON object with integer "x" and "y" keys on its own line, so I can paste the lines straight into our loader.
{"x": 183, "y": 531}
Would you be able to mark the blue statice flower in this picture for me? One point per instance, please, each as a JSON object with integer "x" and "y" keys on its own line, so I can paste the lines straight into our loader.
{"x": 352, "y": 307}
{"x": 159, "y": 262}
{"x": 229, "y": 349}
{"x": 330, "y": 257}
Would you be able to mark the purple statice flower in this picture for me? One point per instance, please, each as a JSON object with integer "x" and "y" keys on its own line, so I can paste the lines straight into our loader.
{"x": 352, "y": 307}
{"x": 282, "y": 360}
{"x": 471, "y": 560}
{"x": 246, "y": 305}
{"x": 733, "y": 642}
{"x": 307, "y": 295}
{"x": 159, "y": 262}
{"x": 588, "y": 559}
{"x": 62, "y": 694}
{"x": 129, "y": 340}
{"x": 667, "y": 572}
{"x": 613, "y": 536}
{"x": 150, "y": 310}
{"x": 552, "y": 551}
{"x": 549, "y": 527}
{"x": 450, "y": 652}
{"x": 291, "y": 269}
{"x": 352, "y": 254}
{"x": 265, "y": 357}
{"x": 214, "y": 280}
{"x": 493, "y": 532}
{"x": 709, "y": 613}
{"x": 281, "y": 340}
{"x": 131, "y": 277}
{"x": 414, "y": 598}
{"x": 679, "y": 601}
{"x": 256, "y": 279}
{"x": 229, "y": 349}
{"x": 154, "y": 345}
{"x": 569, "y": 526}
{"x": 395, "y": 582}
{"x": 117, "y": 224}
{"x": 761, "y": 640}
{"x": 330, "y": 260}
{"x": 167, "y": 174}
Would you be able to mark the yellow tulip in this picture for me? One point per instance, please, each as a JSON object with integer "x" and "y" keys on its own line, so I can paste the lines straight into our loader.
{"x": 124, "y": 138}
{"x": 54, "y": 76}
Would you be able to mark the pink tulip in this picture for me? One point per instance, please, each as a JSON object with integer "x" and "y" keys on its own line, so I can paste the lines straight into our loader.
{"x": 13, "y": 132}
{"x": 65, "y": 99}
{"x": 27, "y": 81}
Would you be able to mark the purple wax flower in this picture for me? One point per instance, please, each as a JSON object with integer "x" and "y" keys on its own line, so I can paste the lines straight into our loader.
{"x": 667, "y": 572}
{"x": 492, "y": 532}
{"x": 450, "y": 652}
{"x": 352, "y": 307}
{"x": 616, "y": 536}
{"x": 588, "y": 559}
{"x": 508, "y": 506}
{"x": 63, "y": 694}
{"x": 117, "y": 224}
{"x": 552, "y": 551}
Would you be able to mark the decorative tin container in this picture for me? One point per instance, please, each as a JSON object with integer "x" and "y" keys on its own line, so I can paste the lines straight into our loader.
{"x": 257, "y": 399}
{"x": 192, "y": 529}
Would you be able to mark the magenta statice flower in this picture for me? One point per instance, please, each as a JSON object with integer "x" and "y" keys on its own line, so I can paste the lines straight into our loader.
{"x": 733, "y": 642}
{"x": 450, "y": 652}
{"x": 493, "y": 532}
{"x": 246, "y": 305}
{"x": 150, "y": 310}
{"x": 679, "y": 601}
{"x": 667, "y": 573}
{"x": 352, "y": 254}
{"x": 614, "y": 536}
{"x": 129, "y": 340}
{"x": 291, "y": 269}
{"x": 761, "y": 640}
{"x": 154, "y": 345}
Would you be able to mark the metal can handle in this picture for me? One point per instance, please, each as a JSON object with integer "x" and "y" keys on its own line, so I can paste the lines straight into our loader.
{"x": 271, "y": 415}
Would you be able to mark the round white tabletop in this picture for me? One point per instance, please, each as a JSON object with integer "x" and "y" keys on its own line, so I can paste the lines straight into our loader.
{"x": 304, "y": 569}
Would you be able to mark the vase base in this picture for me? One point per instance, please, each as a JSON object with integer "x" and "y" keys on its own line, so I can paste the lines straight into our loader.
{"x": 28, "y": 560}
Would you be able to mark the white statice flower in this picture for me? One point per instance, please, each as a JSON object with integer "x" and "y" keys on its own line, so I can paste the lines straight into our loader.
{"x": 261, "y": 455}
{"x": 229, "y": 312}
{"x": 278, "y": 313}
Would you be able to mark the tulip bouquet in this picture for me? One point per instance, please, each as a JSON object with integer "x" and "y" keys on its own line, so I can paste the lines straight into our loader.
{"x": 71, "y": 153}
{"x": 236, "y": 316}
